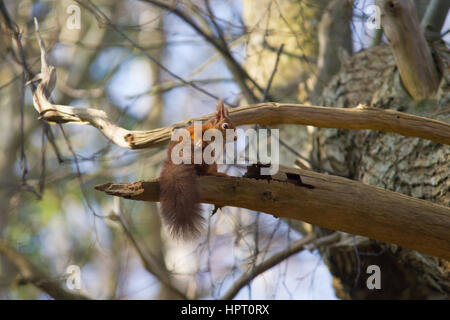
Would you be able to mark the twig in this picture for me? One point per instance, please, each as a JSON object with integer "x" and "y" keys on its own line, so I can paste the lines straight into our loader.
{"x": 214, "y": 22}
{"x": 308, "y": 242}
{"x": 361, "y": 117}
{"x": 23, "y": 157}
{"x": 78, "y": 172}
{"x": 25, "y": 74}
{"x": 143, "y": 51}
{"x": 272, "y": 75}
{"x": 43, "y": 159}
{"x": 14, "y": 30}
{"x": 169, "y": 85}
{"x": 149, "y": 261}
{"x": 240, "y": 74}
{"x": 30, "y": 273}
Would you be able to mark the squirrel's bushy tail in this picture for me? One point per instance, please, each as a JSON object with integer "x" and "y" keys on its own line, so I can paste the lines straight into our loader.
{"x": 179, "y": 200}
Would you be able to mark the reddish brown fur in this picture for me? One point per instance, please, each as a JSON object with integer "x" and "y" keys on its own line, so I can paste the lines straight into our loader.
{"x": 180, "y": 199}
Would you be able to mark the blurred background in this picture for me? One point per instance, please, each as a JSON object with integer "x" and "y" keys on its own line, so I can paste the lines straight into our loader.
{"x": 104, "y": 53}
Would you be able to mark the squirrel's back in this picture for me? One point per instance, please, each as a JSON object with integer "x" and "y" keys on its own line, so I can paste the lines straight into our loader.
{"x": 179, "y": 200}
{"x": 179, "y": 197}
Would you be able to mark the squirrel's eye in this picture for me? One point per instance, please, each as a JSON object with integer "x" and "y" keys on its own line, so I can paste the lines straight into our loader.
{"x": 225, "y": 126}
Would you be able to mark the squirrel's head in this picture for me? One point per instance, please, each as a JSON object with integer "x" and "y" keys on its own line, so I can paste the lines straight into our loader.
{"x": 223, "y": 120}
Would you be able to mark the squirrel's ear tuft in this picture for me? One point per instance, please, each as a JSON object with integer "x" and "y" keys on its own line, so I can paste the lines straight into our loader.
{"x": 221, "y": 111}
{"x": 226, "y": 114}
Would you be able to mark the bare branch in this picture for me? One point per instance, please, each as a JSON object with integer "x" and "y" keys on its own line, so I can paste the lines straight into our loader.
{"x": 214, "y": 22}
{"x": 421, "y": 7}
{"x": 97, "y": 12}
{"x": 361, "y": 117}
{"x": 334, "y": 202}
{"x": 412, "y": 55}
{"x": 308, "y": 242}
{"x": 149, "y": 262}
{"x": 240, "y": 74}
{"x": 272, "y": 75}
{"x": 434, "y": 18}
{"x": 30, "y": 273}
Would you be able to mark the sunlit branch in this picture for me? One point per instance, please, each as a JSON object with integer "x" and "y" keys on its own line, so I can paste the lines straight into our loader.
{"x": 334, "y": 203}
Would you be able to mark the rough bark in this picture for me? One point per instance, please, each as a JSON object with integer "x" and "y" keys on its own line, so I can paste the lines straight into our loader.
{"x": 413, "y": 58}
{"x": 408, "y": 165}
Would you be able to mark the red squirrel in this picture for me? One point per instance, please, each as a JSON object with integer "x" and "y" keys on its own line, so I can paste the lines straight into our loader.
{"x": 179, "y": 197}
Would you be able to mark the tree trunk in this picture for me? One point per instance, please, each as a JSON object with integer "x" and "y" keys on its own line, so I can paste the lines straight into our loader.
{"x": 412, "y": 166}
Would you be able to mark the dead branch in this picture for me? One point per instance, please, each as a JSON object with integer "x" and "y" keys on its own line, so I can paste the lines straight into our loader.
{"x": 358, "y": 118}
{"x": 31, "y": 274}
{"x": 335, "y": 203}
{"x": 434, "y": 18}
{"x": 412, "y": 55}
{"x": 361, "y": 117}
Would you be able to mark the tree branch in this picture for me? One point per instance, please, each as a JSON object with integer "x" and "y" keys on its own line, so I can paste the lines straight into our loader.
{"x": 334, "y": 35}
{"x": 308, "y": 242}
{"x": 240, "y": 74}
{"x": 30, "y": 273}
{"x": 421, "y": 7}
{"x": 361, "y": 117}
{"x": 150, "y": 263}
{"x": 335, "y": 203}
{"x": 99, "y": 13}
{"x": 411, "y": 52}
{"x": 434, "y": 18}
